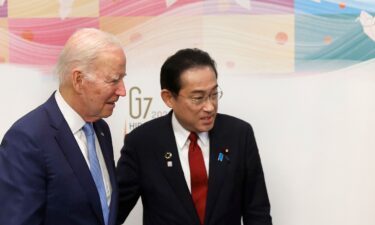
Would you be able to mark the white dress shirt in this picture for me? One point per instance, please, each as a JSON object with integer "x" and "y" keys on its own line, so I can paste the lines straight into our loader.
{"x": 183, "y": 142}
{"x": 75, "y": 123}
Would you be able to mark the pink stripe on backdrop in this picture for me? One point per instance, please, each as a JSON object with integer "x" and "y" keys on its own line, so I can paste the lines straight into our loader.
{"x": 194, "y": 7}
{"x": 39, "y": 41}
{"x": 285, "y": 3}
{"x": 139, "y": 8}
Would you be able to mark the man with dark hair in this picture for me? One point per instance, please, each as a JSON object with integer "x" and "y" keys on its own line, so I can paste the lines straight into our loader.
{"x": 56, "y": 162}
{"x": 193, "y": 166}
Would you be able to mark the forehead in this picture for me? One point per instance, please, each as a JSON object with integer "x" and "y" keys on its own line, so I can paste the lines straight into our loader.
{"x": 112, "y": 60}
{"x": 198, "y": 78}
{"x": 109, "y": 54}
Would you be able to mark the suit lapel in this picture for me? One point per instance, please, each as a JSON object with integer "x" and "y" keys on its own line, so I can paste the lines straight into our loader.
{"x": 217, "y": 169}
{"x": 73, "y": 155}
{"x": 174, "y": 173}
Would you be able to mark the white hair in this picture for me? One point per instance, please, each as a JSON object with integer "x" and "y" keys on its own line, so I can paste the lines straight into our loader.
{"x": 82, "y": 49}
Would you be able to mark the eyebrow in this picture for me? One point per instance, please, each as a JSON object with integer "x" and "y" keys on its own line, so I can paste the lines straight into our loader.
{"x": 117, "y": 76}
{"x": 204, "y": 91}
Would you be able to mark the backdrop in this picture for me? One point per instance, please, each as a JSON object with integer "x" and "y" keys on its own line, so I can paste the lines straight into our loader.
{"x": 301, "y": 72}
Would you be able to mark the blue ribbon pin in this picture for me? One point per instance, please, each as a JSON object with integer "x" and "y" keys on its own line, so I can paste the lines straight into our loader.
{"x": 221, "y": 156}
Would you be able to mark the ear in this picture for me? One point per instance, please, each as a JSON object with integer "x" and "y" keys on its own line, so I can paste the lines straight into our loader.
{"x": 77, "y": 80}
{"x": 167, "y": 97}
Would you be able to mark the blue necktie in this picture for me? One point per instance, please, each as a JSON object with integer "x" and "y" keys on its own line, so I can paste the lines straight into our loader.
{"x": 95, "y": 169}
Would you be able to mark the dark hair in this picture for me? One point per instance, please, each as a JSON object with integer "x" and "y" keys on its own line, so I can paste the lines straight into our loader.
{"x": 182, "y": 60}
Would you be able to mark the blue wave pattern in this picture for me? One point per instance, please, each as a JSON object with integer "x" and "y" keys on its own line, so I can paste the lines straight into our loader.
{"x": 329, "y": 34}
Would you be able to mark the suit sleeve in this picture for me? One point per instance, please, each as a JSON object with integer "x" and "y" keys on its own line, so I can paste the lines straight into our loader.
{"x": 128, "y": 178}
{"x": 256, "y": 205}
{"x": 22, "y": 180}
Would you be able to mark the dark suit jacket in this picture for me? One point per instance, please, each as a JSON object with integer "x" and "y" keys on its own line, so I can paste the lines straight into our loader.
{"x": 236, "y": 186}
{"x": 44, "y": 178}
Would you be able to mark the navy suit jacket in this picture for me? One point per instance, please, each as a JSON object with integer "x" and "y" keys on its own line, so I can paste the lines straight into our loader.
{"x": 44, "y": 178}
{"x": 236, "y": 185}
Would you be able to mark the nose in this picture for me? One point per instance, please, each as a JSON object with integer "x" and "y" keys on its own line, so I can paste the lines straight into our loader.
{"x": 121, "y": 91}
{"x": 209, "y": 105}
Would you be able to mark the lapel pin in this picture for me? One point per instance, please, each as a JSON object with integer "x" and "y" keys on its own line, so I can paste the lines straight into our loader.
{"x": 226, "y": 153}
{"x": 101, "y": 133}
{"x": 168, "y": 157}
{"x": 220, "y": 158}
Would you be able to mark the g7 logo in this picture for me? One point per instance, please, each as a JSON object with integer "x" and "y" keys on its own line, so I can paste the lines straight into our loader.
{"x": 136, "y": 103}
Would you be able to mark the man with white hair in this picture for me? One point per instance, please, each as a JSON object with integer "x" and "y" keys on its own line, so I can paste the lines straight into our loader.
{"x": 56, "y": 162}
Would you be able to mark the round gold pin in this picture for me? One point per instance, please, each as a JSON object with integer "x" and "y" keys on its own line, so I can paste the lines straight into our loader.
{"x": 168, "y": 155}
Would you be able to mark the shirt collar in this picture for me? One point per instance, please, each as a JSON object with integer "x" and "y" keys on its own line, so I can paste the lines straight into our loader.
{"x": 74, "y": 120}
{"x": 181, "y": 134}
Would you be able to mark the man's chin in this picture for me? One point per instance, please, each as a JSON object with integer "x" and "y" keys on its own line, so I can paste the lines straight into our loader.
{"x": 205, "y": 127}
{"x": 106, "y": 114}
